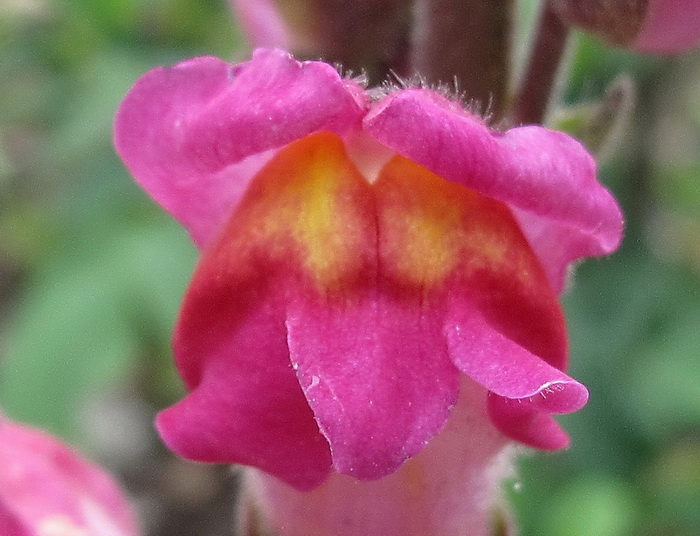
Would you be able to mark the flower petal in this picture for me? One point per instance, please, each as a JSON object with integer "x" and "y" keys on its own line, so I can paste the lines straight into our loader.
{"x": 305, "y": 228}
{"x": 524, "y": 423}
{"x": 502, "y": 322}
{"x": 468, "y": 249}
{"x": 195, "y": 134}
{"x": 376, "y": 374}
{"x": 507, "y": 369}
{"x": 47, "y": 488}
{"x": 246, "y": 405}
{"x": 546, "y": 176}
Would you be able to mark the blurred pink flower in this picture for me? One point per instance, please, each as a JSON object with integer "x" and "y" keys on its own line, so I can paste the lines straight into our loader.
{"x": 653, "y": 26}
{"x": 262, "y": 23}
{"x": 670, "y": 26}
{"x": 361, "y": 251}
{"x": 46, "y": 489}
{"x": 368, "y": 36}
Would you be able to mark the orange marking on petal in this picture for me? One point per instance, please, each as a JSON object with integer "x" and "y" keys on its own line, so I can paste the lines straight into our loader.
{"x": 308, "y": 210}
{"x": 311, "y": 212}
{"x": 431, "y": 228}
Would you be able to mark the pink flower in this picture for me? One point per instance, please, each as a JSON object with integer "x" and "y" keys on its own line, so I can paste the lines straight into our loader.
{"x": 360, "y": 252}
{"x": 654, "y": 26}
{"x": 46, "y": 489}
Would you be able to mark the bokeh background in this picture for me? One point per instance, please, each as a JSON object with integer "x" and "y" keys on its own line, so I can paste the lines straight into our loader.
{"x": 91, "y": 273}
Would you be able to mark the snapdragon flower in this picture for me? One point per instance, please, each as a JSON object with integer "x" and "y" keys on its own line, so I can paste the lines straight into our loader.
{"x": 365, "y": 255}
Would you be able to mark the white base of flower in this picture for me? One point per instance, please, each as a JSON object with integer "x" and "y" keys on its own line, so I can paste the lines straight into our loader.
{"x": 452, "y": 488}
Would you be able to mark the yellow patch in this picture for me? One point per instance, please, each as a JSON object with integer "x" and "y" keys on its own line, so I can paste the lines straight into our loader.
{"x": 308, "y": 205}
{"x": 431, "y": 227}
{"x": 311, "y": 210}
{"x": 319, "y": 227}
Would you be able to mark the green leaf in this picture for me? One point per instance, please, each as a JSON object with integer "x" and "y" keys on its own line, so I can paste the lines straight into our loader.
{"x": 87, "y": 315}
{"x": 665, "y": 378}
{"x": 67, "y": 342}
{"x": 600, "y": 506}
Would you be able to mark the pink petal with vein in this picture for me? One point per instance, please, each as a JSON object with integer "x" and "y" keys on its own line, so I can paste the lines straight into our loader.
{"x": 377, "y": 375}
{"x": 521, "y": 421}
{"x": 194, "y": 135}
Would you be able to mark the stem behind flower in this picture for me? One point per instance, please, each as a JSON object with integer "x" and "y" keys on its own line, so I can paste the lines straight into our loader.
{"x": 539, "y": 84}
{"x": 465, "y": 42}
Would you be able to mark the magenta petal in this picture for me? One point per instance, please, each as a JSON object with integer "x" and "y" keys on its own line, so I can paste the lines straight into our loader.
{"x": 246, "y": 405}
{"x": 524, "y": 423}
{"x": 259, "y": 421}
{"x": 377, "y": 376}
{"x": 47, "y": 488}
{"x": 546, "y": 176}
{"x": 509, "y": 370}
{"x": 192, "y": 135}
{"x": 10, "y": 524}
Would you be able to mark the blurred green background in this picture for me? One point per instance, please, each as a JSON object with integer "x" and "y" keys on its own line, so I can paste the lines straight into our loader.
{"x": 91, "y": 274}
